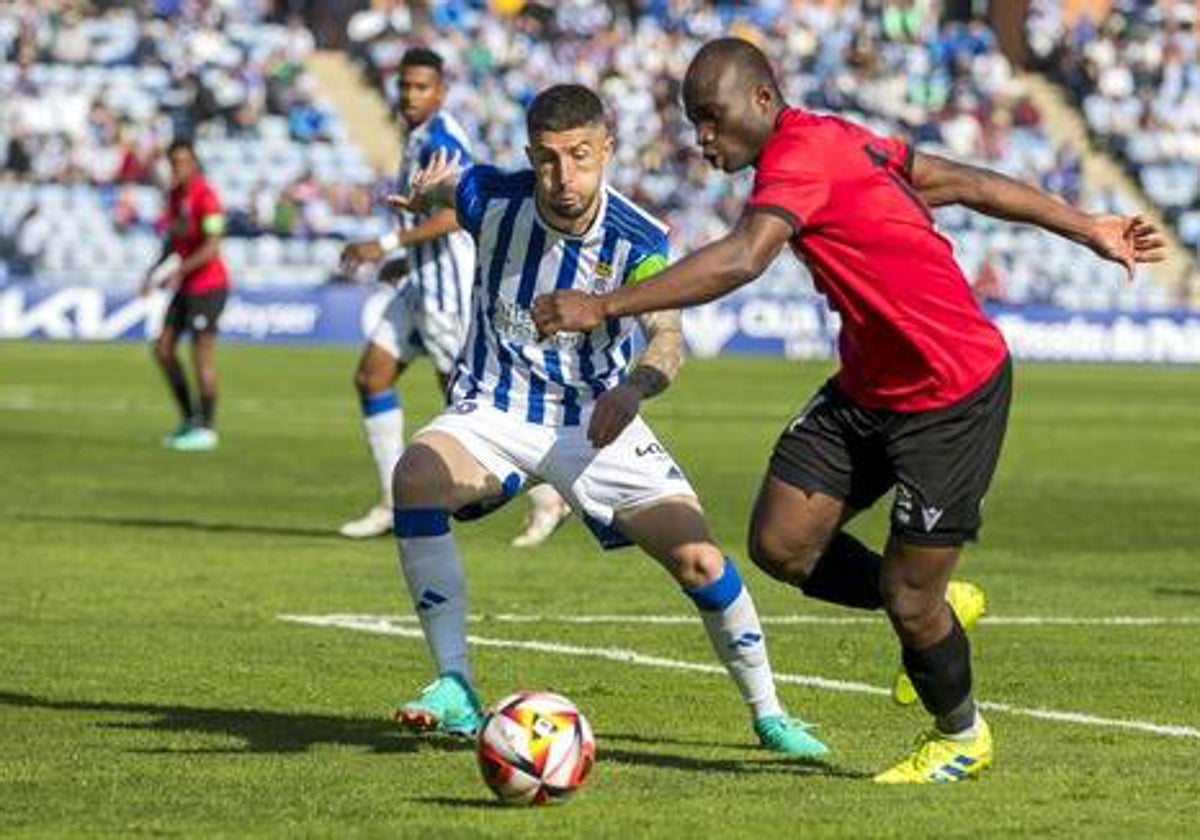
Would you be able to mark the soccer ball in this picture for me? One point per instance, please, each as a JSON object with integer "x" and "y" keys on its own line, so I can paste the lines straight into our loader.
{"x": 535, "y": 747}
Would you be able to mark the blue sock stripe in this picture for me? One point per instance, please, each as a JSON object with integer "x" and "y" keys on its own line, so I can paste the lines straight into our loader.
{"x": 420, "y": 522}
{"x": 716, "y": 595}
{"x": 373, "y": 404}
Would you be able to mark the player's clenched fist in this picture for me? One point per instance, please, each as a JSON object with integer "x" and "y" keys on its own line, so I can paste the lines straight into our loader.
{"x": 567, "y": 311}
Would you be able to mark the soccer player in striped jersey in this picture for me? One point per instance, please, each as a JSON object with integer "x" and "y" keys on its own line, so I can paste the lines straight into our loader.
{"x": 428, "y": 314}
{"x": 563, "y": 411}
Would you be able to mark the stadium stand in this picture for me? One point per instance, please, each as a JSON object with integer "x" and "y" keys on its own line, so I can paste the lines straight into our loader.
{"x": 90, "y": 99}
{"x": 890, "y": 65}
{"x": 1135, "y": 75}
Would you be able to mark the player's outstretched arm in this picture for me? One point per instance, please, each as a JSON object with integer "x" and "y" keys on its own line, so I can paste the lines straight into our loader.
{"x": 1127, "y": 240}
{"x": 707, "y": 274}
{"x": 652, "y": 374}
{"x": 432, "y": 189}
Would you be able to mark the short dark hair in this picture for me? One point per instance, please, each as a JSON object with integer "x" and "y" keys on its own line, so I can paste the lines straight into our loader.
{"x": 422, "y": 57}
{"x": 183, "y": 144}
{"x": 564, "y": 107}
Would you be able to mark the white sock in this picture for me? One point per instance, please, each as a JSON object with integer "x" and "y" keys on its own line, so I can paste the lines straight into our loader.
{"x": 383, "y": 422}
{"x": 731, "y": 621}
{"x": 968, "y": 734}
{"x": 544, "y": 496}
{"x": 434, "y": 575}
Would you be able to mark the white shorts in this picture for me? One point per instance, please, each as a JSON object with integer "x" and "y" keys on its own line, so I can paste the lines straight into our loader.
{"x": 411, "y": 327}
{"x": 630, "y": 471}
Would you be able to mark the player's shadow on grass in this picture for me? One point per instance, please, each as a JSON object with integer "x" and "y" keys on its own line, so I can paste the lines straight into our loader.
{"x": 140, "y": 522}
{"x": 260, "y": 731}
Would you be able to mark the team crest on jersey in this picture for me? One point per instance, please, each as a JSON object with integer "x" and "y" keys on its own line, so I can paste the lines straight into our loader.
{"x": 602, "y": 278}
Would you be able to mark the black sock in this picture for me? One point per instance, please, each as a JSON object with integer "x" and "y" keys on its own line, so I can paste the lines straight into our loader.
{"x": 941, "y": 674}
{"x": 846, "y": 574}
{"x": 208, "y": 410}
{"x": 177, "y": 382}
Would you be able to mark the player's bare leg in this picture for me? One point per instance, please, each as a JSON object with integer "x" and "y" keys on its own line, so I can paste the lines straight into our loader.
{"x": 674, "y": 532}
{"x": 937, "y": 657}
{"x": 436, "y": 476}
{"x": 165, "y": 349}
{"x": 383, "y": 427}
{"x": 796, "y": 537}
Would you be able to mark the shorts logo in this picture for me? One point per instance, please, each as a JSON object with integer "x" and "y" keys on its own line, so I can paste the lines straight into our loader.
{"x": 931, "y": 515}
{"x": 465, "y": 407}
{"x": 902, "y": 509}
{"x": 649, "y": 449}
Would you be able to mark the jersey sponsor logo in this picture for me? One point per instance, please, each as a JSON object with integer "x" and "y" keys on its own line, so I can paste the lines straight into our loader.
{"x": 515, "y": 323}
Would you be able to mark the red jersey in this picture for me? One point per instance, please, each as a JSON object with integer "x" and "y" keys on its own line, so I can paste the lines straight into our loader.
{"x": 913, "y": 336}
{"x": 193, "y": 212}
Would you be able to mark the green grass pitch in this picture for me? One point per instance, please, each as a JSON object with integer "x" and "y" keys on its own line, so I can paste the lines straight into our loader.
{"x": 149, "y": 687}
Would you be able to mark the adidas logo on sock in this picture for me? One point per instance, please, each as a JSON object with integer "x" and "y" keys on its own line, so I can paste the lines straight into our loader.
{"x": 747, "y": 640}
{"x": 430, "y": 599}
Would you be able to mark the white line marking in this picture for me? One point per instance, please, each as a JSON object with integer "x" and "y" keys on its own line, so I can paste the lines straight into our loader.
{"x": 396, "y": 626}
{"x": 786, "y": 620}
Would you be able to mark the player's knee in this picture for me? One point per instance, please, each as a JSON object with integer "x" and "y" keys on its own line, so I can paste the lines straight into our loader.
{"x": 697, "y": 564}
{"x": 916, "y": 613}
{"x": 422, "y": 479}
{"x": 782, "y": 557}
{"x": 364, "y": 382}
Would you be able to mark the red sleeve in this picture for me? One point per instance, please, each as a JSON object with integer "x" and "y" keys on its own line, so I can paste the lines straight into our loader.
{"x": 205, "y": 202}
{"x": 788, "y": 183}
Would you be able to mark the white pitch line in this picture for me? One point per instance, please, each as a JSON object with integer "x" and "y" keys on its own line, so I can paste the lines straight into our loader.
{"x": 786, "y": 620}
{"x": 389, "y": 626}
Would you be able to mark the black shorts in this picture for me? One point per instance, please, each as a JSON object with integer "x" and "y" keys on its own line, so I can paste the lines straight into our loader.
{"x": 941, "y": 461}
{"x": 199, "y": 313}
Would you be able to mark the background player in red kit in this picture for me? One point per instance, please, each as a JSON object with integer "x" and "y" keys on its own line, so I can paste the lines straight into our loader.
{"x": 921, "y": 399}
{"x": 191, "y": 264}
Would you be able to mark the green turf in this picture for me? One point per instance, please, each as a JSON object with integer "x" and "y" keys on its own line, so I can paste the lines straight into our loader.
{"x": 147, "y": 685}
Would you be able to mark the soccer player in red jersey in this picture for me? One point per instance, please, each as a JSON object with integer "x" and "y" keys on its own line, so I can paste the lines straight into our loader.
{"x": 921, "y": 400}
{"x": 191, "y": 265}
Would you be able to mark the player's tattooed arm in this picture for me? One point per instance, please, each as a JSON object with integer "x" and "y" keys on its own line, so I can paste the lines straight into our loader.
{"x": 1127, "y": 240}
{"x": 652, "y": 373}
{"x": 663, "y": 356}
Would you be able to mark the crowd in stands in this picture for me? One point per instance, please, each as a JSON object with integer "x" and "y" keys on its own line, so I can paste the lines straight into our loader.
{"x": 892, "y": 64}
{"x": 1136, "y": 77}
{"x": 87, "y": 102}
{"x": 87, "y": 99}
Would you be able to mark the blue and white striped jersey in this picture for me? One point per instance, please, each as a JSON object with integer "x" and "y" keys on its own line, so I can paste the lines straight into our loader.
{"x": 521, "y": 257}
{"x": 443, "y": 268}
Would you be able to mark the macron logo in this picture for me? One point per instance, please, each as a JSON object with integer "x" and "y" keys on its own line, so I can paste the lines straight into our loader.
{"x": 931, "y": 515}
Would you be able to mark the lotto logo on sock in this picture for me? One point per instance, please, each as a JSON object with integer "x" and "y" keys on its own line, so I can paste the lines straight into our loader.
{"x": 747, "y": 640}
{"x": 430, "y": 599}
